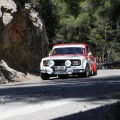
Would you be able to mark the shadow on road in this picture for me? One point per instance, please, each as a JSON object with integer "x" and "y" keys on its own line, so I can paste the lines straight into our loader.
{"x": 85, "y": 89}
{"x": 88, "y": 88}
{"x": 108, "y": 112}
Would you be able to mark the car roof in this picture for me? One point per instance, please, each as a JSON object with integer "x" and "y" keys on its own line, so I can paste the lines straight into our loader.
{"x": 70, "y": 44}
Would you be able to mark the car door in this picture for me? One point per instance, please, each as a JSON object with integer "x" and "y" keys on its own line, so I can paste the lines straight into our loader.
{"x": 90, "y": 56}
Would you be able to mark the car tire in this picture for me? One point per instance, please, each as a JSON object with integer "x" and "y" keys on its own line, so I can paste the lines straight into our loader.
{"x": 95, "y": 73}
{"x": 91, "y": 73}
{"x": 44, "y": 76}
{"x": 87, "y": 71}
{"x": 80, "y": 75}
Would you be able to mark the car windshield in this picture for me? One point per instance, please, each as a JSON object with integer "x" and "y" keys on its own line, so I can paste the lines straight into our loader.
{"x": 68, "y": 50}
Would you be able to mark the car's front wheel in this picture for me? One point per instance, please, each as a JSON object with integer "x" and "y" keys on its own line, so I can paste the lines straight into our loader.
{"x": 44, "y": 76}
{"x": 87, "y": 71}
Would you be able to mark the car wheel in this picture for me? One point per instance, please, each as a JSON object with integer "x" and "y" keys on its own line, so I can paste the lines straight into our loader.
{"x": 91, "y": 73}
{"x": 44, "y": 76}
{"x": 95, "y": 73}
{"x": 80, "y": 75}
{"x": 87, "y": 71}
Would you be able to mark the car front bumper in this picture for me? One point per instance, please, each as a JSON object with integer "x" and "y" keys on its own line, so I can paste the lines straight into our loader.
{"x": 63, "y": 70}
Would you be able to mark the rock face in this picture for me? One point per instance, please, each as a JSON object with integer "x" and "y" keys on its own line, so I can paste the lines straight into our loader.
{"x": 23, "y": 40}
{"x": 8, "y": 74}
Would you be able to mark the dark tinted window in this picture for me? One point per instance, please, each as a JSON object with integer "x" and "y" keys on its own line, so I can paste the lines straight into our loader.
{"x": 68, "y": 50}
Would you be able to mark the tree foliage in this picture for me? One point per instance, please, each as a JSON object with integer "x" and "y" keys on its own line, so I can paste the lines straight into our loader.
{"x": 87, "y": 21}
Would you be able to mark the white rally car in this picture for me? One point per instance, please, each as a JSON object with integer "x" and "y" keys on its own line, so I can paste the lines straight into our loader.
{"x": 68, "y": 59}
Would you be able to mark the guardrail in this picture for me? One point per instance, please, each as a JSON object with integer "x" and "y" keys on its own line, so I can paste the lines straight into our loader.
{"x": 112, "y": 65}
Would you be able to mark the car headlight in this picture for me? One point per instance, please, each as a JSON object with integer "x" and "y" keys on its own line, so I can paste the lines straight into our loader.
{"x": 69, "y": 71}
{"x": 51, "y": 63}
{"x": 76, "y": 62}
{"x": 67, "y": 63}
{"x": 49, "y": 71}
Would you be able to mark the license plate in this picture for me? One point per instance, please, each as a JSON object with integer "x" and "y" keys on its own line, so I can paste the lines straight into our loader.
{"x": 59, "y": 72}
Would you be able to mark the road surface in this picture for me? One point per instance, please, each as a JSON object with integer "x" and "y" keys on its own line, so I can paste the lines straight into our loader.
{"x": 72, "y": 98}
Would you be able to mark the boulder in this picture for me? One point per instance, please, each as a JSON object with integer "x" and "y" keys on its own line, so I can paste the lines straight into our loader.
{"x": 23, "y": 39}
{"x": 8, "y": 74}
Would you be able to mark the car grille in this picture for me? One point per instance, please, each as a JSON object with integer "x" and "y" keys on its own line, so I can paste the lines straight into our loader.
{"x": 61, "y": 62}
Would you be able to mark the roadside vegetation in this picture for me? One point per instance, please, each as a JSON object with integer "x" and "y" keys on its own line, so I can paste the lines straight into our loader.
{"x": 87, "y": 21}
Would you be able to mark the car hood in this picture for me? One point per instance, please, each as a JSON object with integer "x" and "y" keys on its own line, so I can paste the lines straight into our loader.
{"x": 62, "y": 57}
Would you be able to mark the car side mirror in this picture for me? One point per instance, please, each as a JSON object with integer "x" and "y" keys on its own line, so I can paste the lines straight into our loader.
{"x": 89, "y": 54}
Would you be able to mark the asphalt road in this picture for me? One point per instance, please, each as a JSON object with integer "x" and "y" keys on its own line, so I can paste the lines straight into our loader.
{"x": 72, "y": 98}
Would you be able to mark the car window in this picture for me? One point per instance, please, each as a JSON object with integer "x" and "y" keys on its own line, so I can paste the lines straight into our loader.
{"x": 68, "y": 50}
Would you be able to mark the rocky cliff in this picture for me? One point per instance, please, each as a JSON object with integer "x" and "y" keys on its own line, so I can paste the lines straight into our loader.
{"x": 23, "y": 40}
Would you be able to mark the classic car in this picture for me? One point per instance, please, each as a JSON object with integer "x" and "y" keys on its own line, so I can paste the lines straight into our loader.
{"x": 68, "y": 59}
